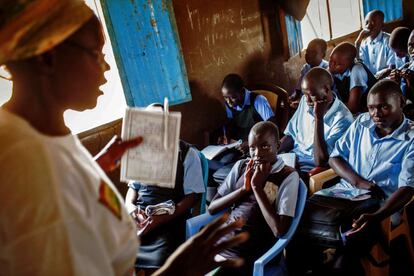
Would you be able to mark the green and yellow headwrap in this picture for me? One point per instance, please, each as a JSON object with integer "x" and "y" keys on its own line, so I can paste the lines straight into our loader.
{"x": 32, "y": 27}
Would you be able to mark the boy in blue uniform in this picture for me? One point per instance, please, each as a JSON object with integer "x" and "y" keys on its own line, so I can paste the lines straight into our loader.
{"x": 352, "y": 78}
{"x": 314, "y": 56}
{"x": 243, "y": 108}
{"x": 263, "y": 192}
{"x": 398, "y": 43}
{"x": 317, "y": 124}
{"x": 376, "y": 154}
{"x": 373, "y": 43}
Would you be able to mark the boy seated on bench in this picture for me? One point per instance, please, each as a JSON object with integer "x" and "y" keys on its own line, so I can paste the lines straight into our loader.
{"x": 314, "y": 57}
{"x": 352, "y": 78}
{"x": 161, "y": 234}
{"x": 375, "y": 154}
{"x": 319, "y": 121}
{"x": 263, "y": 192}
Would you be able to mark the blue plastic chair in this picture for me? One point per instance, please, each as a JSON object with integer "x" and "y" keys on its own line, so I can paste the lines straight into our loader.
{"x": 261, "y": 266}
{"x": 204, "y": 169}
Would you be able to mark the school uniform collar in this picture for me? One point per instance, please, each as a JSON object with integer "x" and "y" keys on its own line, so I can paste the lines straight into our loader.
{"x": 277, "y": 166}
{"x": 323, "y": 62}
{"x": 404, "y": 132}
{"x": 347, "y": 73}
{"x": 332, "y": 110}
{"x": 246, "y": 98}
{"x": 378, "y": 38}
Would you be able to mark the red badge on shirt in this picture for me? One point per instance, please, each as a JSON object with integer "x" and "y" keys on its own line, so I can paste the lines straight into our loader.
{"x": 109, "y": 199}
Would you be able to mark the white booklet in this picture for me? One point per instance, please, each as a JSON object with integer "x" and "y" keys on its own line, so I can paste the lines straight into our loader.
{"x": 340, "y": 191}
{"x": 212, "y": 151}
{"x": 154, "y": 161}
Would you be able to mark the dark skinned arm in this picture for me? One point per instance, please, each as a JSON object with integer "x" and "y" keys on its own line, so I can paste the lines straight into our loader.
{"x": 279, "y": 224}
{"x": 180, "y": 208}
{"x": 393, "y": 204}
{"x": 220, "y": 202}
{"x": 354, "y": 100}
{"x": 286, "y": 144}
{"x": 344, "y": 170}
{"x": 320, "y": 149}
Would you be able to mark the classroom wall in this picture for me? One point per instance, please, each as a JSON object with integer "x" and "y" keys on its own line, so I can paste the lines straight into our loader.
{"x": 239, "y": 36}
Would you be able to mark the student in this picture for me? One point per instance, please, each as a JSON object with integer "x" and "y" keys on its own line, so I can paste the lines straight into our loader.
{"x": 314, "y": 56}
{"x": 398, "y": 43}
{"x": 60, "y": 213}
{"x": 318, "y": 123}
{"x": 157, "y": 244}
{"x": 352, "y": 79}
{"x": 377, "y": 154}
{"x": 244, "y": 109}
{"x": 263, "y": 192}
{"x": 373, "y": 43}
{"x": 405, "y": 74}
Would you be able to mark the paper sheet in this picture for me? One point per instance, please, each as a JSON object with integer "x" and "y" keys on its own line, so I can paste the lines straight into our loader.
{"x": 150, "y": 162}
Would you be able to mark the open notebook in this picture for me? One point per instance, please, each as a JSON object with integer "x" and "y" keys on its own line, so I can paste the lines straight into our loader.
{"x": 212, "y": 151}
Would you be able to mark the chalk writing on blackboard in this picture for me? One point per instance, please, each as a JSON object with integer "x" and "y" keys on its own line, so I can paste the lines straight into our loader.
{"x": 151, "y": 163}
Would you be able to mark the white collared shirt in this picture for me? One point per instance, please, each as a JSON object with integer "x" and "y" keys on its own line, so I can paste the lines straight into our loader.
{"x": 376, "y": 53}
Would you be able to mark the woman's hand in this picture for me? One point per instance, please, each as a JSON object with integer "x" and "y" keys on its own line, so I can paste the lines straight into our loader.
{"x": 196, "y": 256}
{"x": 110, "y": 156}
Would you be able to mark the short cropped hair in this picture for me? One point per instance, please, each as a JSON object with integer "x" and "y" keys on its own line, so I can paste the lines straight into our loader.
{"x": 347, "y": 49}
{"x": 320, "y": 43}
{"x": 399, "y": 38}
{"x": 233, "y": 82}
{"x": 266, "y": 126}
{"x": 378, "y": 13}
{"x": 390, "y": 87}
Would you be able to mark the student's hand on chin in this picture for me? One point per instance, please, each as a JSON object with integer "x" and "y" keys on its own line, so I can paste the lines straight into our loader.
{"x": 260, "y": 175}
{"x": 248, "y": 176}
{"x": 319, "y": 109}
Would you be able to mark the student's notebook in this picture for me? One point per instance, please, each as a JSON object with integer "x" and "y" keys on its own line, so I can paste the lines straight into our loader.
{"x": 340, "y": 191}
{"x": 212, "y": 151}
{"x": 154, "y": 161}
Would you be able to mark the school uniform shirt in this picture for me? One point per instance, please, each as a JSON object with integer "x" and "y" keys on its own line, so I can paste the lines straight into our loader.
{"x": 386, "y": 161}
{"x": 60, "y": 214}
{"x": 403, "y": 83}
{"x": 286, "y": 195}
{"x": 400, "y": 62}
{"x": 305, "y": 69}
{"x": 261, "y": 105}
{"x": 376, "y": 53}
{"x": 193, "y": 175}
{"x": 357, "y": 77}
{"x": 301, "y": 128}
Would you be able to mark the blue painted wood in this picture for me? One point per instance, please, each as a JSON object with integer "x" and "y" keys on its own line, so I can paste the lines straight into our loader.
{"x": 147, "y": 50}
{"x": 391, "y": 8}
{"x": 294, "y": 32}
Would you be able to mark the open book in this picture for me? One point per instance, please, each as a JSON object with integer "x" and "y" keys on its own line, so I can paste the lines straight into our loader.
{"x": 212, "y": 151}
{"x": 154, "y": 161}
{"x": 349, "y": 193}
